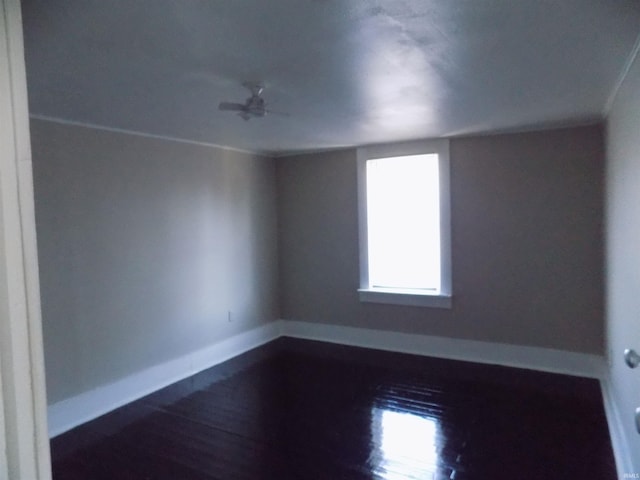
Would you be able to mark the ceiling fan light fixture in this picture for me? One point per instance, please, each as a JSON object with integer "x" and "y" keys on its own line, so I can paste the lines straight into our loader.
{"x": 253, "y": 107}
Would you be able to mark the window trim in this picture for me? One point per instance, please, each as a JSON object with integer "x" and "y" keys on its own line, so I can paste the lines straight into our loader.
{"x": 423, "y": 298}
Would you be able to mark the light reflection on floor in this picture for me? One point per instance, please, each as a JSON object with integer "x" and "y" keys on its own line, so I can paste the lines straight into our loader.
{"x": 405, "y": 445}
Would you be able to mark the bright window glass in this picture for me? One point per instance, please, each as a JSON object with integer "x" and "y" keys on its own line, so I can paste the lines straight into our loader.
{"x": 403, "y": 222}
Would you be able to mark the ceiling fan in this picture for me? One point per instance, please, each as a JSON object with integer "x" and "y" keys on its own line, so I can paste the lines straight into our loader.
{"x": 254, "y": 106}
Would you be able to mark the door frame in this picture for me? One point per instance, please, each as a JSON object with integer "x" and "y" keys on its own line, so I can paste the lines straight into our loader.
{"x": 24, "y": 439}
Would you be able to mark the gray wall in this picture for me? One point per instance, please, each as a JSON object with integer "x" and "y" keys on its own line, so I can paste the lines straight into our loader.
{"x": 623, "y": 250}
{"x": 144, "y": 246}
{"x": 526, "y": 242}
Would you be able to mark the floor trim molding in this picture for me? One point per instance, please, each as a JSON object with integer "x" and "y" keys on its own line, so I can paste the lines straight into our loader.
{"x": 74, "y": 411}
{"x": 518, "y": 356}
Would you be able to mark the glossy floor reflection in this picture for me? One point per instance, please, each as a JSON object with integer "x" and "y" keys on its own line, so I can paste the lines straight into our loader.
{"x": 406, "y": 445}
{"x": 304, "y": 410}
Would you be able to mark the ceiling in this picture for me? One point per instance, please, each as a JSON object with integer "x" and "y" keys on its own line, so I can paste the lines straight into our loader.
{"x": 348, "y": 72}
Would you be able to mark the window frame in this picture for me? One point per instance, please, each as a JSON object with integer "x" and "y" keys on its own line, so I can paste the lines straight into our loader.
{"x": 398, "y": 296}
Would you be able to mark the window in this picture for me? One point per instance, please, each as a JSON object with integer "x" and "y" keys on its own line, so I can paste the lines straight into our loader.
{"x": 404, "y": 224}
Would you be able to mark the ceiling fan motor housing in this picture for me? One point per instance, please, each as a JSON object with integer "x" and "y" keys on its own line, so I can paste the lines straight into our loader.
{"x": 256, "y": 106}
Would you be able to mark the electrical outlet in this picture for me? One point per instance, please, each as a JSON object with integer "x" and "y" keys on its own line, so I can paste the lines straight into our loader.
{"x": 638, "y": 419}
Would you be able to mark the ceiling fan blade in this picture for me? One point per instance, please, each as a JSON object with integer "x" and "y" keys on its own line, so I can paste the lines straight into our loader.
{"x": 231, "y": 107}
{"x": 274, "y": 112}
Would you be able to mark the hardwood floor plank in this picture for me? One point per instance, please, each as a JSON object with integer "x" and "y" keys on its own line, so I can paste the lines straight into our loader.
{"x": 303, "y": 410}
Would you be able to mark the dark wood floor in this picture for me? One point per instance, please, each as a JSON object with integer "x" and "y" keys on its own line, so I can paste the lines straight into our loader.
{"x": 304, "y": 410}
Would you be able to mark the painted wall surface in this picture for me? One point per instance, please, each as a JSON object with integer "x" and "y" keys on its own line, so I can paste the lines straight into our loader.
{"x": 527, "y": 253}
{"x": 145, "y": 245}
{"x": 623, "y": 251}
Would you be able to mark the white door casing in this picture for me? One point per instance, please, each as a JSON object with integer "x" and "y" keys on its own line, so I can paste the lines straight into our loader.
{"x": 24, "y": 442}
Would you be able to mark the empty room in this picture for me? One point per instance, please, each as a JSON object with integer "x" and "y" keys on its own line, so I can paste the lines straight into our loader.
{"x": 320, "y": 239}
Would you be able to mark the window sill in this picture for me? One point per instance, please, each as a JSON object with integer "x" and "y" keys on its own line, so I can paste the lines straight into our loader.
{"x": 414, "y": 298}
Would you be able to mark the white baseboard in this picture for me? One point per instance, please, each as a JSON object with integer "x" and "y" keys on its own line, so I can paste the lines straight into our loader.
{"x": 74, "y": 411}
{"x": 619, "y": 442}
{"x": 533, "y": 358}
